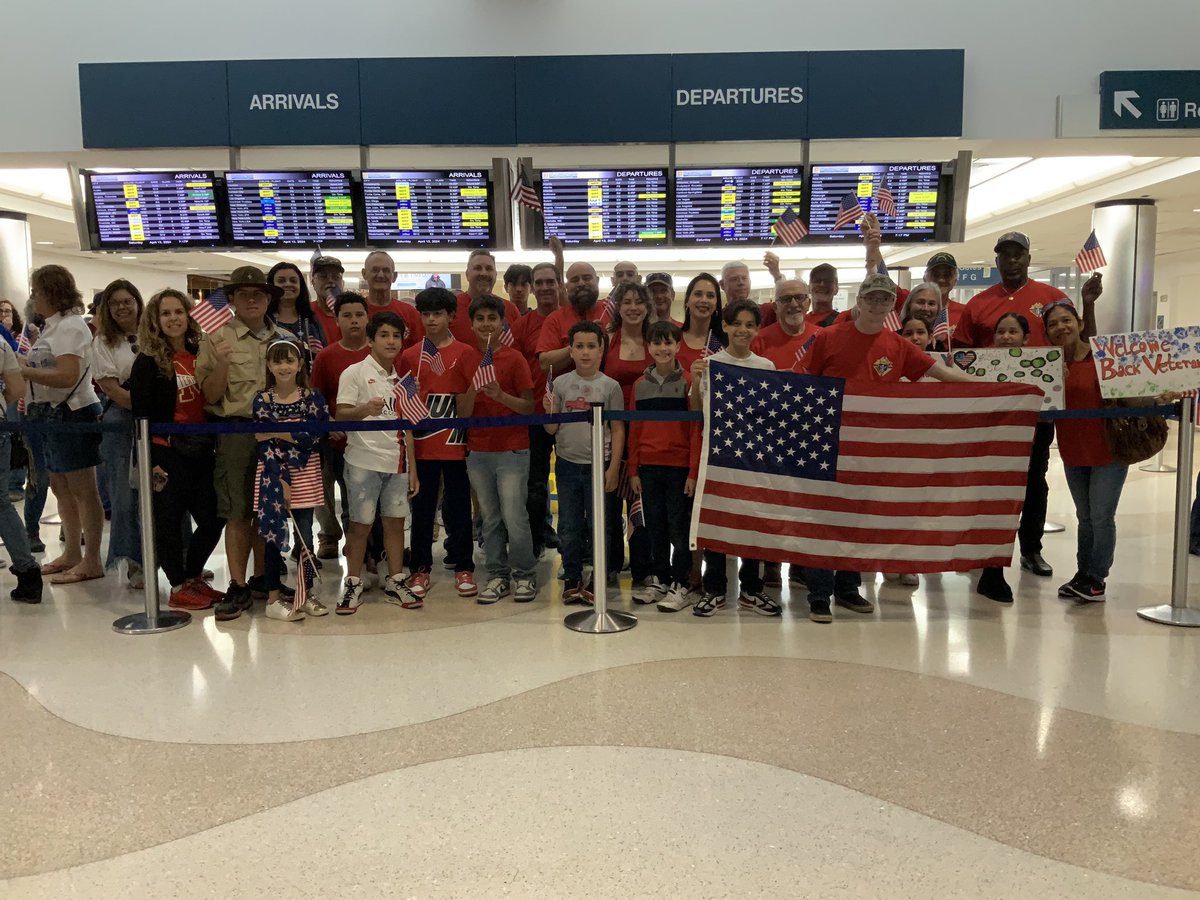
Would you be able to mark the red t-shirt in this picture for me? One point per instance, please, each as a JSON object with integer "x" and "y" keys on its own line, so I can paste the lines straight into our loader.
{"x": 525, "y": 340}
{"x": 845, "y": 352}
{"x": 767, "y": 311}
{"x": 822, "y": 319}
{"x": 327, "y": 374}
{"x": 440, "y": 393}
{"x": 977, "y": 324}
{"x": 780, "y": 347}
{"x": 625, "y": 372}
{"x": 413, "y": 329}
{"x": 1081, "y": 442}
{"x": 189, "y": 399}
{"x": 553, "y": 335}
{"x": 460, "y": 324}
{"x": 512, "y": 374}
{"x": 687, "y": 355}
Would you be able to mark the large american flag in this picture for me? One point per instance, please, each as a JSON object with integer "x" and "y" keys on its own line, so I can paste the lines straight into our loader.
{"x": 212, "y": 314}
{"x": 524, "y": 193}
{"x": 1091, "y": 257}
{"x": 884, "y": 201}
{"x": 924, "y": 477}
{"x": 790, "y": 228}
{"x": 848, "y": 211}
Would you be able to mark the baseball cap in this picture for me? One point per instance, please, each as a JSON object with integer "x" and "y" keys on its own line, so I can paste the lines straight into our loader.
{"x": 877, "y": 282}
{"x": 327, "y": 262}
{"x": 942, "y": 259}
{"x": 823, "y": 269}
{"x": 659, "y": 278}
{"x": 1012, "y": 237}
{"x": 251, "y": 277}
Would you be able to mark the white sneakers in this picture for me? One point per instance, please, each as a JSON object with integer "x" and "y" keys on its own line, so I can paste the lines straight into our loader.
{"x": 283, "y": 611}
{"x": 676, "y": 599}
{"x": 649, "y": 590}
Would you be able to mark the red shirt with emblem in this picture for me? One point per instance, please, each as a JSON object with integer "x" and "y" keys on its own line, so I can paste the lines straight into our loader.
{"x": 327, "y": 374}
{"x": 440, "y": 394}
{"x": 460, "y": 323}
{"x": 845, "y": 352}
{"x": 512, "y": 374}
{"x": 977, "y": 324}
{"x": 780, "y": 347}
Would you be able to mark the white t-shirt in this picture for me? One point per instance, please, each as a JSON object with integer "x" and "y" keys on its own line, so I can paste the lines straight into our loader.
{"x": 375, "y": 451}
{"x": 753, "y": 361}
{"x": 112, "y": 362}
{"x": 8, "y": 364}
{"x": 64, "y": 336}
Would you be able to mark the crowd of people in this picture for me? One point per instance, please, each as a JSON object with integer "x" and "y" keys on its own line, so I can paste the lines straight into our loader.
{"x": 300, "y": 350}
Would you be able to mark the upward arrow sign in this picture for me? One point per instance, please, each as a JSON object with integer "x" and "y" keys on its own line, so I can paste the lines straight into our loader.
{"x": 1123, "y": 100}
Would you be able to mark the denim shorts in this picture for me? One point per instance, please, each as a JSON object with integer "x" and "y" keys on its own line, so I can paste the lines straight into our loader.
{"x": 79, "y": 450}
{"x": 365, "y": 489}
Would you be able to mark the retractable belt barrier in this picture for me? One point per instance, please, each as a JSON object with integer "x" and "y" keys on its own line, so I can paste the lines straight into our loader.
{"x": 598, "y": 620}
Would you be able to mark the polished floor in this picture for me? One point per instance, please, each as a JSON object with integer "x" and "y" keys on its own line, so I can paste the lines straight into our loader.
{"x": 944, "y": 746}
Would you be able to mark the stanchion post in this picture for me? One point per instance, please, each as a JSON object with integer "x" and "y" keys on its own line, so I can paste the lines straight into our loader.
{"x": 1177, "y": 612}
{"x": 152, "y": 621}
{"x": 1157, "y": 465}
{"x": 598, "y": 619}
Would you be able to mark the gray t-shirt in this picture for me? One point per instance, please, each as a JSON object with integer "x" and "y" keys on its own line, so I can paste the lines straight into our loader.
{"x": 575, "y": 394}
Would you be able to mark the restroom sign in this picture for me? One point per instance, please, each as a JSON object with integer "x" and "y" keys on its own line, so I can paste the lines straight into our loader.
{"x": 1150, "y": 100}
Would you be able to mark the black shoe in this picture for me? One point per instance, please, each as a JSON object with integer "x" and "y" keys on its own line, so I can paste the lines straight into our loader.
{"x": 796, "y": 575}
{"x": 36, "y": 545}
{"x": 993, "y": 586}
{"x": 238, "y": 599}
{"x": 1035, "y": 564}
{"x": 258, "y": 588}
{"x": 772, "y": 574}
{"x": 1067, "y": 591}
{"x": 856, "y": 603}
{"x": 552, "y": 539}
{"x": 1088, "y": 590}
{"x": 819, "y": 610}
{"x": 29, "y": 586}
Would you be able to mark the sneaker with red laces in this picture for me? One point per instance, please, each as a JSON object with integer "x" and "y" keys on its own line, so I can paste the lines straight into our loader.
{"x": 464, "y": 583}
{"x": 578, "y": 593}
{"x": 418, "y": 584}
{"x": 187, "y": 597}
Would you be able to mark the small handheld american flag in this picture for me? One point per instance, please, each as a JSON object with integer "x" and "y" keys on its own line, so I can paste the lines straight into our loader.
{"x": 892, "y": 322}
{"x": 213, "y": 313}
{"x": 941, "y": 325}
{"x": 523, "y": 193}
{"x": 1091, "y": 257}
{"x": 408, "y": 399}
{"x": 431, "y": 358}
{"x": 802, "y": 351}
{"x": 714, "y": 345}
{"x": 486, "y": 373}
{"x": 848, "y": 212}
{"x": 506, "y": 335}
{"x": 550, "y": 387}
{"x": 790, "y": 228}
{"x": 884, "y": 201}
{"x": 304, "y": 579}
{"x": 23, "y": 345}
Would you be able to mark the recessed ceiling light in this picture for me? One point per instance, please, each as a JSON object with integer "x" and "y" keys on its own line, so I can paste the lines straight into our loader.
{"x": 128, "y": 257}
{"x": 192, "y": 268}
{"x": 51, "y": 243}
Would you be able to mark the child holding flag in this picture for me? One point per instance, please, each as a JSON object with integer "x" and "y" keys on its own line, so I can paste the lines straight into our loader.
{"x": 380, "y": 465}
{"x": 498, "y": 463}
{"x": 437, "y": 363}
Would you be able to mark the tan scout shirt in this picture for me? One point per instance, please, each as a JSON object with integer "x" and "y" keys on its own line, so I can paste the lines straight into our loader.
{"x": 247, "y": 365}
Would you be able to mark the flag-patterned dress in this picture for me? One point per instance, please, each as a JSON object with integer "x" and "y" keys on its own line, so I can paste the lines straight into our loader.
{"x": 298, "y": 463}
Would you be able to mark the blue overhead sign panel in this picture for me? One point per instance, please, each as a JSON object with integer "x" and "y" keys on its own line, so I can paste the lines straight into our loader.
{"x": 407, "y": 101}
{"x": 166, "y": 104}
{"x": 739, "y": 96}
{"x": 1141, "y": 100}
{"x": 294, "y": 101}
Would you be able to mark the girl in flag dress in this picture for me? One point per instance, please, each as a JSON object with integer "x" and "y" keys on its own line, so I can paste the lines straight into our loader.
{"x": 287, "y": 483}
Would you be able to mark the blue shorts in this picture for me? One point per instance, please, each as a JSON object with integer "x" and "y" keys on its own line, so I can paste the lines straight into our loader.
{"x": 78, "y": 450}
{"x": 366, "y": 489}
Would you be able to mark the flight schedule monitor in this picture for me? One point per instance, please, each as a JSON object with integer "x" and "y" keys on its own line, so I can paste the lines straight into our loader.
{"x": 154, "y": 210}
{"x": 451, "y": 208}
{"x": 734, "y": 206}
{"x": 605, "y": 206}
{"x": 903, "y": 195}
{"x": 270, "y": 209}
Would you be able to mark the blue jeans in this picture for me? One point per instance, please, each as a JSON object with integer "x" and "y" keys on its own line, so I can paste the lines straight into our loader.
{"x": 12, "y": 532}
{"x": 500, "y": 480}
{"x": 574, "y": 482}
{"x": 124, "y": 538}
{"x": 824, "y": 584}
{"x": 1096, "y": 491}
{"x": 668, "y": 517}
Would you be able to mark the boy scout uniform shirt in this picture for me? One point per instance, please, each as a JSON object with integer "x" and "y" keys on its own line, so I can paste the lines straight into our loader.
{"x": 247, "y": 365}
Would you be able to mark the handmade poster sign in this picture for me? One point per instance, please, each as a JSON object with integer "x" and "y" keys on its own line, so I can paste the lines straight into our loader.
{"x": 1040, "y": 366}
{"x": 1147, "y": 363}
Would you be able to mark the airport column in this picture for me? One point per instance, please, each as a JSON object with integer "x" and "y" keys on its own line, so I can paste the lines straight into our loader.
{"x": 16, "y": 258}
{"x": 1126, "y": 230}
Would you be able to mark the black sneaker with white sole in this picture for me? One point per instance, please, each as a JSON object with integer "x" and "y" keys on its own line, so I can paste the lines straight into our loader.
{"x": 1067, "y": 591}
{"x": 1090, "y": 590}
{"x": 708, "y": 604}
{"x": 856, "y": 603}
{"x": 819, "y": 610}
{"x": 760, "y": 603}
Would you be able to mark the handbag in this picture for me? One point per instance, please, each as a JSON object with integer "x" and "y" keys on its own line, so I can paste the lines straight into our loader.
{"x": 1135, "y": 439}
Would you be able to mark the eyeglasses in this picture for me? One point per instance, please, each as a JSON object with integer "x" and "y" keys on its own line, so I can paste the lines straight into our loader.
{"x": 793, "y": 298}
{"x": 124, "y": 301}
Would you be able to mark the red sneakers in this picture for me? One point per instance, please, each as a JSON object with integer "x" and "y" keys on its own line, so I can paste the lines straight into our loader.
{"x": 187, "y": 597}
{"x": 464, "y": 583}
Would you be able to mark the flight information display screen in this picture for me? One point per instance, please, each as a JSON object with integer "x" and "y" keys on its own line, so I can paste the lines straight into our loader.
{"x": 287, "y": 208}
{"x": 903, "y": 195}
{"x": 605, "y": 206}
{"x": 734, "y": 206}
{"x": 158, "y": 210}
{"x": 447, "y": 207}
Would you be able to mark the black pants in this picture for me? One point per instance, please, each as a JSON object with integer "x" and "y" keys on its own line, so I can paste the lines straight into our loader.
{"x": 668, "y": 518}
{"x": 1037, "y": 491}
{"x": 188, "y": 492}
{"x": 456, "y": 514}
{"x": 540, "y": 447}
{"x": 749, "y": 574}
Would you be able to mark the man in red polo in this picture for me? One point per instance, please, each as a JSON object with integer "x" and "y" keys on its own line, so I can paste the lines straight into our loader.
{"x": 583, "y": 295}
{"x": 379, "y": 274}
{"x": 481, "y": 279}
{"x": 782, "y": 342}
